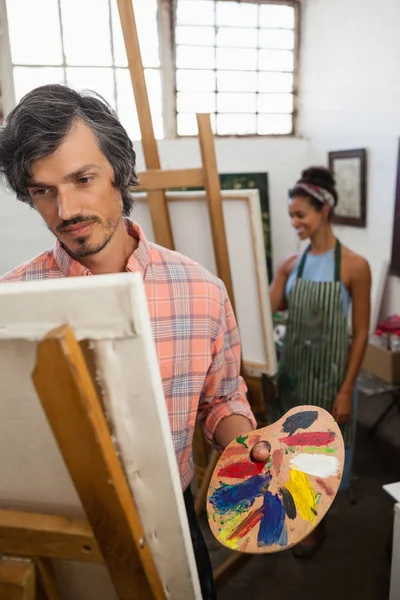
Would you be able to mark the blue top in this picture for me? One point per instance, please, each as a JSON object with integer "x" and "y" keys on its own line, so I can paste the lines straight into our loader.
{"x": 319, "y": 267}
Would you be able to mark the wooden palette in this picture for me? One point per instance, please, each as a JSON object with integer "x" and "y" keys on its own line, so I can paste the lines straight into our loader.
{"x": 259, "y": 507}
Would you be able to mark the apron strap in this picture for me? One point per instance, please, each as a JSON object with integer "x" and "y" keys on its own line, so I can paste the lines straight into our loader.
{"x": 338, "y": 260}
{"x": 303, "y": 262}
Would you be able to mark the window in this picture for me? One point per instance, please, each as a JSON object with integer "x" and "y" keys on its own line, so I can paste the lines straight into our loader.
{"x": 80, "y": 43}
{"x": 235, "y": 60}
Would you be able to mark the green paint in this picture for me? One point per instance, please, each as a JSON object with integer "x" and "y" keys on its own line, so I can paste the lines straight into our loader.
{"x": 214, "y": 519}
{"x": 291, "y": 448}
{"x": 314, "y": 511}
{"x": 242, "y": 440}
{"x": 320, "y": 450}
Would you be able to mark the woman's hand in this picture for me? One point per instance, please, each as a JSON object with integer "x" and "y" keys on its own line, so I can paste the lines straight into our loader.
{"x": 342, "y": 408}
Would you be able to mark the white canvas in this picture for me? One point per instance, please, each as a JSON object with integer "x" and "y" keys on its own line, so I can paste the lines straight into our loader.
{"x": 111, "y": 312}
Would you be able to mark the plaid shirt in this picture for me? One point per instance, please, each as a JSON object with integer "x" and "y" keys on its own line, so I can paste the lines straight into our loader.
{"x": 194, "y": 330}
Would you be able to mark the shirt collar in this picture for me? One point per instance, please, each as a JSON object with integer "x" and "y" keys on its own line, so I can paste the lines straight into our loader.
{"x": 137, "y": 262}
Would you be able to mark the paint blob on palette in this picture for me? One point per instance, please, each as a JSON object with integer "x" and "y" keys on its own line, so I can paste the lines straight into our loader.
{"x": 261, "y": 507}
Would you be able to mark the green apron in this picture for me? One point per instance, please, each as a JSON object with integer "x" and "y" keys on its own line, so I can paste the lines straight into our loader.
{"x": 315, "y": 352}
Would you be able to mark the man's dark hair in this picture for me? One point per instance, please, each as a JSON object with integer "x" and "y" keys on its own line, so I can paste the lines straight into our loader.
{"x": 38, "y": 125}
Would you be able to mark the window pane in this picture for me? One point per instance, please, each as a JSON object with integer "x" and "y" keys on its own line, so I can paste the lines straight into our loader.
{"x": 276, "y": 60}
{"x": 126, "y": 105}
{"x": 237, "y": 37}
{"x": 236, "y": 124}
{"x": 235, "y": 59}
{"x": 275, "y": 15}
{"x": 274, "y": 124}
{"x": 191, "y": 81}
{"x": 275, "y": 103}
{"x": 275, "y": 82}
{"x": 235, "y": 13}
{"x": 86, "y": 33}
{"x": 192, "y": 57}
{"x": 187, "y": 124}
{"x": 277, "y": 38}
{"x": 196, "y": 102}
{"x": 33, "y": 39}
{"x": 99, "y": 80}
{"x": 28, "y": 78}
{"x": 195, "y": 12}
{"x": 235, "y": 103}
{"x": 200, "y": 36}
{"x": 237, "y": 81}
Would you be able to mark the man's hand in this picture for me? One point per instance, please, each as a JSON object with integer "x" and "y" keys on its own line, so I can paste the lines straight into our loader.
{"x": 260, "y": 452}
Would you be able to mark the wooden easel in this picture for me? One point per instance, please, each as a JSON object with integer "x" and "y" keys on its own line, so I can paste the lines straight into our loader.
{"x": 112, "y": 534}
{"x": 155, "y": 181}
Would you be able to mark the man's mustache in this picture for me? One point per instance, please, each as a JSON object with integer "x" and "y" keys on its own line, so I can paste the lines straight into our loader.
{"x": 76, "y": 220}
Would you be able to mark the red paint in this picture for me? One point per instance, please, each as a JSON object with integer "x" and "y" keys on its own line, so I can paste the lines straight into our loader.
{"x": 328, "y": 491}
{"x": 277, "y": 458}
{"x": 313, "y": 438}
{"x": 245, "y": 526}
{"x": 241, "y": 469}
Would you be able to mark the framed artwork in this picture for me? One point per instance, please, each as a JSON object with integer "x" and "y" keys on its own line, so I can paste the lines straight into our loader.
{"x": 395, "y": 260}
{"x": 349, "y": 168}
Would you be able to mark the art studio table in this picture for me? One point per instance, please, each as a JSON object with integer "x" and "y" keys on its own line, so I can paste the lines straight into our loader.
{"x": 393, "y": 489}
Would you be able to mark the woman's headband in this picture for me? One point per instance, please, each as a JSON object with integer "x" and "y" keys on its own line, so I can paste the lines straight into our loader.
{"x": 318, "y": 193}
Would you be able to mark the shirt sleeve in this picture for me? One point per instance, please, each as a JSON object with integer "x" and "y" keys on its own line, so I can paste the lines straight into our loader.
{"x": 224, "y": 391}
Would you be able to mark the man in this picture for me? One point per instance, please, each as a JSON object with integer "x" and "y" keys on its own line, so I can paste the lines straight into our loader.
{"x": 67, "y": 155}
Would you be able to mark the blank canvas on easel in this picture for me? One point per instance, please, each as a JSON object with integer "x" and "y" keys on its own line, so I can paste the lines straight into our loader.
{"x": 109, "y": 313}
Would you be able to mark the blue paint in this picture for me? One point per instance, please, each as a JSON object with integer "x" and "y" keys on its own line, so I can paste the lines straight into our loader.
{"x": 239, "y": 496}
{"x": 272, "y": 526}
{"x": 300, "y": 420}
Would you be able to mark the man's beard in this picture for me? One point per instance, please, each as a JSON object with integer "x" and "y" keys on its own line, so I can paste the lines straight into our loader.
{"x": 85, "y": 248}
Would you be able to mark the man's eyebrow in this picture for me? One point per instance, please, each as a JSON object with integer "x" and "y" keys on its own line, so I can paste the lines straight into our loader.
{"x": 74, "y": 175}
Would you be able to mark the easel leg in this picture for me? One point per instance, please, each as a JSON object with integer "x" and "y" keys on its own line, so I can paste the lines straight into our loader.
{"x": 73, "y": 409}
{"x": 47, "y": 579}
{"x": 17, "y": 579}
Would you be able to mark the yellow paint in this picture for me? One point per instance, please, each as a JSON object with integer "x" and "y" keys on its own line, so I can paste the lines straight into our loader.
{"x": 228, "y": 528}
{"x": 304, "y": 496}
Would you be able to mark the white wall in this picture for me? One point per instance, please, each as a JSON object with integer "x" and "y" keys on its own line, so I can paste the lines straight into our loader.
{"x": 350, "y": 98}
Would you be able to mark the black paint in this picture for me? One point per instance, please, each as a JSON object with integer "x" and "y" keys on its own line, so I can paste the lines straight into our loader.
{"x": 301, "y": 420}
{"x": 288, "y": 503}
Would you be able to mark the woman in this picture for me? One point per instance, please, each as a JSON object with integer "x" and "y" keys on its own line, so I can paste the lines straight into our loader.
{"x": 318, "y": 365}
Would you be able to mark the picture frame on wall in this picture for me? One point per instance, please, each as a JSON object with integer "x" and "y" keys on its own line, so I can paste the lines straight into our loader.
{"x": 349, "y": 168}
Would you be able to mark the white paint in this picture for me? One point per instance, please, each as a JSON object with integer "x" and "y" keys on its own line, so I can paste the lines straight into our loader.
{"x": 32, "y": 472}
{"x": 318, "y": 465}
{"x": 192, "y": 236}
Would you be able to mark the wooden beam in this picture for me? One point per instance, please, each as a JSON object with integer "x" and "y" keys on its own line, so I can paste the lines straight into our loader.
{"x": 156, "y": 199}
{"x": 35, "y": 535}
{"x": 214, "y": 200}
{"x": 74, "y": 411}
{"x": 156, "y": 179}
{"x": 17, "y": 580}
